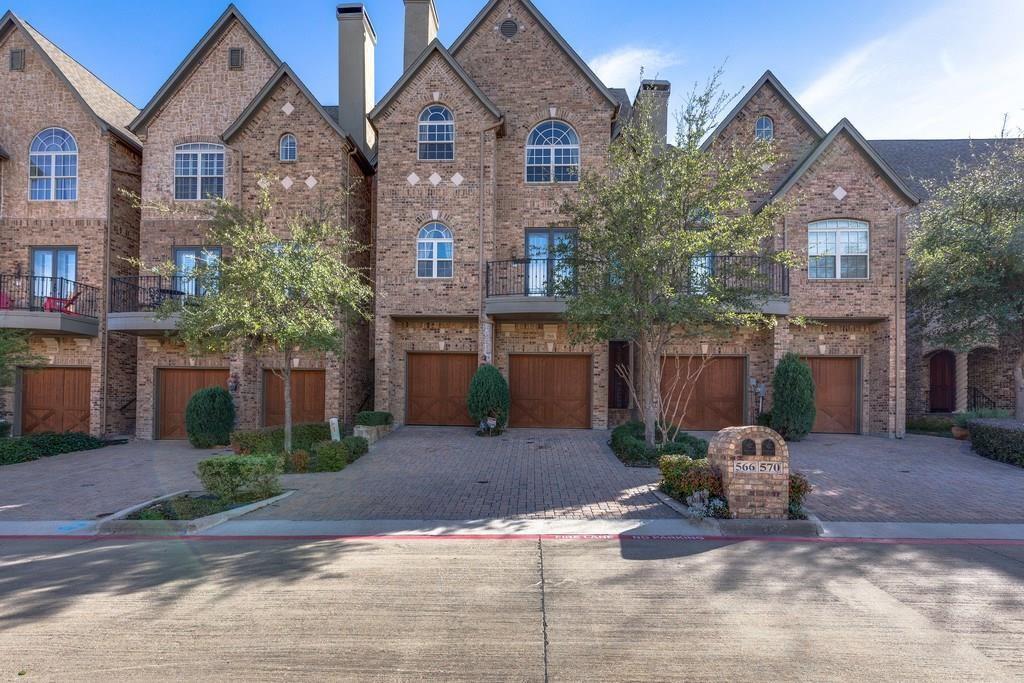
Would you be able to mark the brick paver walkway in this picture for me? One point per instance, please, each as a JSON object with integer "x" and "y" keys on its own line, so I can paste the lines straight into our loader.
{"x": 915, "y": 479}
{"x": 89, "y": 484}
{"x": 449, "y": 473}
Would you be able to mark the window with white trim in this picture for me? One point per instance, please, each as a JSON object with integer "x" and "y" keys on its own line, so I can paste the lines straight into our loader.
{"x": 288, "y": 147}
{"x": 553, "y": 154}
{"x": 53, "y": 166}
{"x": 837, "y": 249}
{"x": 198, "y": 171}
{"x": 434, "y": 251}
{"x": 436, "y": 134}
{"x": 764, "y": 128}
{"x": 189, "y": 259}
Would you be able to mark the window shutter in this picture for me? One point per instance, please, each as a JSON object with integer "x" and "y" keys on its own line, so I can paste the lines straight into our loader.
{"x": 17, "y": 60}
{"x": 235, "y": 58}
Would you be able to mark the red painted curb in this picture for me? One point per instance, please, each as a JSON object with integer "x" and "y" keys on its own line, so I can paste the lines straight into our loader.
{"x": 527, "y": 537}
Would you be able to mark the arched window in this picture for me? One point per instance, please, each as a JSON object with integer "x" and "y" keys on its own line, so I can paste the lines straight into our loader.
{"x": 198, "y": 171}
{"x": 837, "y": 248}
{"x": 53, "y": 166}
{"x": 553, "y": 154}
{"x": 434, "y": 251}
{"x": 289, "y": 147}
{"x": 437, "y": 134}
{"x": 764, "y": 128}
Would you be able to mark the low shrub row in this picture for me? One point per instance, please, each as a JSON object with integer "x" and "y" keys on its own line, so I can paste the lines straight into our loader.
{"x": 629, "y": 446}
{"x": 930, "y": 423}
{"x": 35, "y": 446}
{"x": 964, "y": 419}
{"x": 373, "y": 418}
{"x": 333, "y": 456}
{"x": 1001, "y": 440}
{"x": 240, "y": 478}
{"x": 271, "y": 439}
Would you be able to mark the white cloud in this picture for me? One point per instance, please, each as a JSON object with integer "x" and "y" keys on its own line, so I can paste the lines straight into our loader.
{"x": 620, "y": 68}
{"x": 952, "y": 72}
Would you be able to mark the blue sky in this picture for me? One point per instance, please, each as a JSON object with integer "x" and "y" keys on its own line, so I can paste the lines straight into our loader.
{"x": 908, "y": 69}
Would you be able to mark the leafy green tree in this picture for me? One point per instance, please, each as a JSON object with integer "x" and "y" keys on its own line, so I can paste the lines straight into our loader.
{"x": 793, "y": 409}
{"x": 276, "y": 291}
{"x": 489, "y": 397}
{"x": 647, "y": 227}
{"x": 967, "y": 280}
{"x": 14, "y": 353}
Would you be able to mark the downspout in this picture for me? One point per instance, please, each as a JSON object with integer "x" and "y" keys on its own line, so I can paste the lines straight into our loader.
{"x": 896, "y": 324}
{"x": 104, "y": 300}
{"x": 482, "y": 263}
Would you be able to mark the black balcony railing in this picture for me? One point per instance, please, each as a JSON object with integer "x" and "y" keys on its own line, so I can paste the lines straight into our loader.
{"x": 541, "y": 277}
{"x": 48, "y": 295}
{"x": 147, "y": 293}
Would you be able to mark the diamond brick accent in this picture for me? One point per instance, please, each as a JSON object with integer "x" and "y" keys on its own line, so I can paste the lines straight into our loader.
{"x": 413, "y": 178}
{"x": 839, "y": 193}
{"x": 287, "y": 182}
{"x": 263, "y": 183}
{"x": 311, "y": 182}
{"x": 288, "y": 108}
{"x": 434, "y": 179}
{"x": 457, "y": 179}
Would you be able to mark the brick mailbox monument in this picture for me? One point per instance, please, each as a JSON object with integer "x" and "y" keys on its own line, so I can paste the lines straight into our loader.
{"x": 754, "y": 463}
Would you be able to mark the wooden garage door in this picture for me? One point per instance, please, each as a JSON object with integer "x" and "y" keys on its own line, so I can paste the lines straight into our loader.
{"x": 174, "y": 388}
{"x": 835, "y": 394}
{"x": 55, "y": 400}
{"x": 436, "y": 386}
{"x": 308, "y": 387}
{"x": 718, "y": 390}
{"x": 550, "y": 391}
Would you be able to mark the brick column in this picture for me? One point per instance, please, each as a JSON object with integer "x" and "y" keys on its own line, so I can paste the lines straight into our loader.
{"x": 245, "y": 386}
{"x": 961, "y": 382}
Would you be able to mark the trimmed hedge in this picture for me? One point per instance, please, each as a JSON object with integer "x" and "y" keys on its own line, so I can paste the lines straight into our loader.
{"x": 210, "y": 417}
{"x": 357, "y": 446}
{"x": 35, "y": 446}
{"x": 793, "y": 410}
{"x": 629, "y": 446}
{"x": 1001, "y": 440}
{"x": 5, "y": 429}
{"x": 489, "y": 397}
{"x": 271, "y": 439}
{"x": 241, "y": 477}
{"x": 373, "y": 418}
{"x": 682, "y": 476}
{"x": 333, "y": 456}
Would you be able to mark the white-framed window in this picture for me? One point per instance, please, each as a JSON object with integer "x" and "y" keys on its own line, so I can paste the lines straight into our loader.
{"x": 186, "y": 260}
{"x": 288, "y": 147}
{"x": 434, "y": 251}
{"x": 436, "y": 134}
{"x": 53, "y": 166}
{"x": 764, "y": 128}
{"x": 837, "y": 249}
{"x": 553, "y": 153}
{"x": 198, "y": 171}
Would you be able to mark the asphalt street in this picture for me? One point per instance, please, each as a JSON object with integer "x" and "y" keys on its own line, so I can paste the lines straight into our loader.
{"x": 509, "y": 609}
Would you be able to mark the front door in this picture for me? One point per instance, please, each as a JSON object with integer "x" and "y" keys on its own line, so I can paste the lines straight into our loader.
{"x": 545, "y": 253}
{"x": 942, "y": 382}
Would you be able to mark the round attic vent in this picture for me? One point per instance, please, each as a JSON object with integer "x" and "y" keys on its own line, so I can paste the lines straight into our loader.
{"x": 509, "y": 28}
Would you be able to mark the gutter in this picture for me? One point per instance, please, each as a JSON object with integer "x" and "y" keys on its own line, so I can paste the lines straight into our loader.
{"x": 482, "y": 263}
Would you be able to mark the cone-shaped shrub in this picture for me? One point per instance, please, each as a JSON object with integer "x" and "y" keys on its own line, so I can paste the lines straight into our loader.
{"x": 210, "y": 417}
{"x": 489, "y": 397}
{"x": 793, "y": 408}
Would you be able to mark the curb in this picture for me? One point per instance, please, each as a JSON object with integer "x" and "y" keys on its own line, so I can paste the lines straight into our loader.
{"x": 116, "y": 524}
{"x": 748, "y": 527}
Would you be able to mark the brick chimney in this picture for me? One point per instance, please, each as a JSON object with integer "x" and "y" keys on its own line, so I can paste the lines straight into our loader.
{"x": 356, "y": 44}
{"x": 657, "y": 93}
{"x": 420, "y": 28}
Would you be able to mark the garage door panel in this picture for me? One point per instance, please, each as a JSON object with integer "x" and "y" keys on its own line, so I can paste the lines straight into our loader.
{"x": 175, "y": 387}
{"x": 716, "y": 392}
{"x": 55, "y": 400}
{"x": 836, "y": 394}
{"x": 437, "y": 385}
{"x": 308, "y": 397}
{"x": 550, "y": 391}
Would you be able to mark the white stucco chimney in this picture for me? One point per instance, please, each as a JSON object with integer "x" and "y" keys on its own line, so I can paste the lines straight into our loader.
{"x": 356, "y": 44}
{"x": 657, "y": 92}
{"x": 420, "y": 28}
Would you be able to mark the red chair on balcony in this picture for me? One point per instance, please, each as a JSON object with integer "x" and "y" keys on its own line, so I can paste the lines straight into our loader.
{"x": 56, "y": 304}
{"x": 5, "y": 302}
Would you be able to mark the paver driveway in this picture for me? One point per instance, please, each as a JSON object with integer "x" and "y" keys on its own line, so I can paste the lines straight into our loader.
{"x": 449, "y": 473}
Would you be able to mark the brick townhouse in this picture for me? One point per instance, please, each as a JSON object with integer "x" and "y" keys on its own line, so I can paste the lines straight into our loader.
{"x": 65, "y": 154}
{"x": 231, "y": 120}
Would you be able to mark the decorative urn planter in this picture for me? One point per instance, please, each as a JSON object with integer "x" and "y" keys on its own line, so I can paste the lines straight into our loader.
{"x": 960, "y": 433}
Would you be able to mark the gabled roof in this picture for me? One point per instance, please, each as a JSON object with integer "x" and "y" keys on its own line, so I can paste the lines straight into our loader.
{"x": 283, "y": 71}
{"x": 767, "y": 77}
{"x": 111, "y": 111}
{"x": 919, "y": 161}
{"x": 847, "y": 127}
{"x": 555, "y": 35}
{"x": 172, "y": 83}
{"x": 434, "y": 46}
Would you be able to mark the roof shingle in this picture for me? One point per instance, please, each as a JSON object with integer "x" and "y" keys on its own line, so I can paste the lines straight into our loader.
{"x": 921, "y": 161}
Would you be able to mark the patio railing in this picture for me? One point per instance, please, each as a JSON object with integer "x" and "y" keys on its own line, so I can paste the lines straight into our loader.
{"x": 147, "y": 293}
{"x": 48, "y": 295}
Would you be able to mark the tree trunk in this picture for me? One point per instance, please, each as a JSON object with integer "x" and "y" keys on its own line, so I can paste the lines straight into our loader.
{"x": 288, "y": 401}
{"x": 649, "y": 389}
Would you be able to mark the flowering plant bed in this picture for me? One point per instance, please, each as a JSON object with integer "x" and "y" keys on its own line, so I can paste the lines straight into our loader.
{"x": 187, "y": 506}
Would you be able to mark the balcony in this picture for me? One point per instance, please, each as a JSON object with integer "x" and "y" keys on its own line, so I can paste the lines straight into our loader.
{"x": 49, "y": 304}
{"x": 527, "y": 286}
{"x": 134, "y": 302}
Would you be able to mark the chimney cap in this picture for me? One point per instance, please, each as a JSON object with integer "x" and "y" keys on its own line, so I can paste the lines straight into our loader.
{"x": 348, "y": 10}
{"x": 653, "y": 84}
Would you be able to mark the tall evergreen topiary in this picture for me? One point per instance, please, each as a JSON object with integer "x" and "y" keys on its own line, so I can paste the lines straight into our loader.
{"x": 210, "y": 417}
{"x": 793, "y": 408}
{"x": 489, "y": 398}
